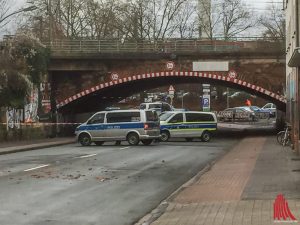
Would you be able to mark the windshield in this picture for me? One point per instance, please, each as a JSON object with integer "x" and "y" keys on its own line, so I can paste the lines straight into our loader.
{"x": 254, "y": 107}
{"x": 165, "y": 116}
{"x": 245, "y": 108}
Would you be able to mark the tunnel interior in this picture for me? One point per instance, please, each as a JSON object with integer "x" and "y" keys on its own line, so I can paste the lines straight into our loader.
{"x": 102, "y": 98}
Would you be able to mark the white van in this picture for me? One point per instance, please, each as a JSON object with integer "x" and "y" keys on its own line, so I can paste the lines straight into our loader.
{"x": 159, "y": 107}
{"x": 188, "y": 125}
{"x": 119, "y": 125}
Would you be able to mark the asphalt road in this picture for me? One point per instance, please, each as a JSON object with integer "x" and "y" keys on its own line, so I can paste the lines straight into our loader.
{"x": 105, "y": 185}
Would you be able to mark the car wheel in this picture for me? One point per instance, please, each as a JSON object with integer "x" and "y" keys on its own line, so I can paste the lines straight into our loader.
{"x": 189, "y": 139}
{"x": 85, "y": 139}
{"x": 164, "y": 136}
{"x": 98, "y": 143}
{"x": 133, "y": 139}
{"x": 147, "y": 141}
{"x": 206, "y": 136}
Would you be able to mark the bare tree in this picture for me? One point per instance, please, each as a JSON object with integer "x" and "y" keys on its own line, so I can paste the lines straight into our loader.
{"x": 235, "y": 18}
{"x": 185, "y": 21}
{"x": 273, "y": 22}
{"x": 7, "y": 12}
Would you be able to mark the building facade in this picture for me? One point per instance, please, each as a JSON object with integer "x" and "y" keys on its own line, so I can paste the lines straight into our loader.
{"x": 292, "y": 70}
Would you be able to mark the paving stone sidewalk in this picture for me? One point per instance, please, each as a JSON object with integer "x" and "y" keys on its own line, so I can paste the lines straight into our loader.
{"x": 240, "y": 188}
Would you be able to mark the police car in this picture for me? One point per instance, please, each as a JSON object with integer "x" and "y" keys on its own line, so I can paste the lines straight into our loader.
{"x": 120, "y": 125}
{"x": 188, "y": 125}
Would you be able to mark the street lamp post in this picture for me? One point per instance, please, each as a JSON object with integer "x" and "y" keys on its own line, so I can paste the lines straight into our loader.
{"x": 184, "y": 94}
{"x": 30, "y": 8}
{"x": 227, "y": 98}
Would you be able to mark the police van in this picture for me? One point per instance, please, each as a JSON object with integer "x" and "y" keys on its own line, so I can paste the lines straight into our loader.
{"x": 119, "y": 125}
{"x": 188, "y": 125}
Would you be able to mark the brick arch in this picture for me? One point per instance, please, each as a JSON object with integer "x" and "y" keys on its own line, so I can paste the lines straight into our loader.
{"x": 174, "y": 76}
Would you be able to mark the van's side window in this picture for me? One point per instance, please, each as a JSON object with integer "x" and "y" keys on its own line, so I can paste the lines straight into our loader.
{"x": 123, "y": 117}
{"x": 178, "y": 118}
{"x": 98, "y": 118}
{"x": 198, "y": 117}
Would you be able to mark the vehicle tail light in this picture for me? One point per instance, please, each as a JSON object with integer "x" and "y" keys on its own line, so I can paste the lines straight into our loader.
{"x": 146, "y": 126}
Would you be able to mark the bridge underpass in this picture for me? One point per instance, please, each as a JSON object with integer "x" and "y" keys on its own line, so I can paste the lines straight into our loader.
{"x": 106, "y": 94}
{"x": 80, "y": 72}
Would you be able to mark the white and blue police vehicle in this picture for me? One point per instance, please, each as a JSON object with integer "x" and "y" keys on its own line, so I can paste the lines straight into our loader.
{"x": 120, "y": 125}
{"x": 188, "y": 125}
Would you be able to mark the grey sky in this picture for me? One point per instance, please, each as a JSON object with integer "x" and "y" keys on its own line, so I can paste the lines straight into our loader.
{"x": 256, "y": 5}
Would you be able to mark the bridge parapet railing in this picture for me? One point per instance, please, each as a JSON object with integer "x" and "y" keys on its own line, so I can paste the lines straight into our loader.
{"x": 165, "y": 46}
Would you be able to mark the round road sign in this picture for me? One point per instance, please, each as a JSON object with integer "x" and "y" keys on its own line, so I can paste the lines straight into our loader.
{"x": 114, "y": 76}
{"x": 170, "y": 65}
{"x": 232, "y": 74}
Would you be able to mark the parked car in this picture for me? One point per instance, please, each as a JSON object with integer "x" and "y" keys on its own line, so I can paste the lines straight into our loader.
{"x": 159, "y": 107}
{"x": 237, "y": 113}
{"x": 271, "y": 107}
{"x": 260, "y": 112}
{"x": 119, "y": 125}
{"x": 112, "y": 108}
{"x": 188, "y": 125}
{"x": 180, "y": 109}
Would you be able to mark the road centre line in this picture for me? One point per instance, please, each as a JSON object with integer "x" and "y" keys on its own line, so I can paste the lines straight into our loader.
{"x": 86, "y": 156}
{"x": 37, "y": 167}
{"x": 124, "y": 148}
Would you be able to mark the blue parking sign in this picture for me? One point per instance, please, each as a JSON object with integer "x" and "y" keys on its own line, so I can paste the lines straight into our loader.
{"x": 205, "y": 102}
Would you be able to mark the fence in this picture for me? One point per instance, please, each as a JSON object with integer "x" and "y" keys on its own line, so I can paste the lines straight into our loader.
{"x": 163, "y": 46}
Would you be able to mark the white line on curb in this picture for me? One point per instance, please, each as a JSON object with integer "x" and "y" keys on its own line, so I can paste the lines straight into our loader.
{"x": 38, "y": 167}
{"x": 124, "y": 148}
{"x": 86, "y": 156}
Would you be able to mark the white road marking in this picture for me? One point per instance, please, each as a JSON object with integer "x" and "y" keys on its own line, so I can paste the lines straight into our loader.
{"x": 124, "y": 148}
{"x": 86, "y": 156}
{"x": 38, "y": 167}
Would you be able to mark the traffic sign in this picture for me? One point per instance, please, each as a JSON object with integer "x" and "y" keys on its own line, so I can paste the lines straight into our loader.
{"x": 114, "y": 76}
{"x": 206, "y": 85}
{"x": 170, "y": 65}
{"x": 232, "y": 74}
{"x": 171, "y": 88}
{"x": 206, "y": 103}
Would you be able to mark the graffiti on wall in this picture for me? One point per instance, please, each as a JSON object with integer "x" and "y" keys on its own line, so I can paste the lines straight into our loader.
{"x": 14, "y": 117}
{"x": 45, "y": 89}
{"x": 31, "y": 109}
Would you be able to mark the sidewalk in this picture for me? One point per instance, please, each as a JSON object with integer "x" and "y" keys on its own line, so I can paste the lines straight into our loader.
{"x": 20, "y": 146}
{"x": 240, "y": 188}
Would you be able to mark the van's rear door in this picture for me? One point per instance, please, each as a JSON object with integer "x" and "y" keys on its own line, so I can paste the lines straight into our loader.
{"x": 152, "y": 119}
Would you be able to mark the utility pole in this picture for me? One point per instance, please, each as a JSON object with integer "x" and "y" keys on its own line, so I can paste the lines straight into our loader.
{"x": 227, "y": 96}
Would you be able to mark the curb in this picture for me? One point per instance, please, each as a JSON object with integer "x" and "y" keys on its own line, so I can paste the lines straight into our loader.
{"x": 35, "y": 147}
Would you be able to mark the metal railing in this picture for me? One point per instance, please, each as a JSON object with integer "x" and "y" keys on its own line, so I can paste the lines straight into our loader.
{"x": 164, "y": 46}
